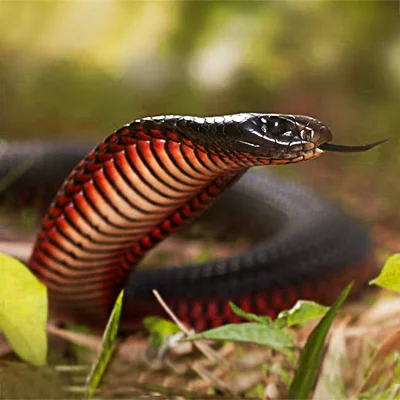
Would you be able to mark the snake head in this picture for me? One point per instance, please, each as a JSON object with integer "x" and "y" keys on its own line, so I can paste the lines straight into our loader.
{"x": 285, "y": 139}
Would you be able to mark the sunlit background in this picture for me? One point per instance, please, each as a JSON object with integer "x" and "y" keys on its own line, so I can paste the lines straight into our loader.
{"x": 84, "y": 68}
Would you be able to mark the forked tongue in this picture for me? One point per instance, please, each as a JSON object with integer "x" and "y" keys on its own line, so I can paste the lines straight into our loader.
{"x": 349, "y": 149}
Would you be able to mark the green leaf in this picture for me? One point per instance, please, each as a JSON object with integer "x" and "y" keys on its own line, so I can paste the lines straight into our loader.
{"x": 301, "y": 313}
{"x": 251, "y": 333}
{"x": 23, "y": 310}
{"x": 310, "y": 357}
{"x": 160, "y": 330}
{"x": 107, "y": 346}
{"x": 252, "y": 317}
{"x": 389, "y": 277}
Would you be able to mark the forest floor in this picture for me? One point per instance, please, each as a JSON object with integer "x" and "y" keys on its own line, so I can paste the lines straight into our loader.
{"x": 351, "y": 362}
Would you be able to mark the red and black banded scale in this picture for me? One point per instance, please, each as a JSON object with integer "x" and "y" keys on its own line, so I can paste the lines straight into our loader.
{"x": 153, "y": 176}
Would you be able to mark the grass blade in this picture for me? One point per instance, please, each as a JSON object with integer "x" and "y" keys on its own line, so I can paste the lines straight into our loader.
{"x": 310, "y": 357}
{"x": 109, "y": 336}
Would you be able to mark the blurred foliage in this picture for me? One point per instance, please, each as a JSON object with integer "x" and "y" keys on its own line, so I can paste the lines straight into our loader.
{"x": 85, "y": 68}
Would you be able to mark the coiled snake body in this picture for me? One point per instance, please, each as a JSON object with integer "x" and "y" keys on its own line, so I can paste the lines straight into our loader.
{"x": 155, "y": 175}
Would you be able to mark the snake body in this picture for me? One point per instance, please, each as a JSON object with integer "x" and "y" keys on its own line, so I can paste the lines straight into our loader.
{"x": 155, "y": 175}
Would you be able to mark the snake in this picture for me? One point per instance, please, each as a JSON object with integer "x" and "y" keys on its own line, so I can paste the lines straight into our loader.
{"x": 118, "y": 200}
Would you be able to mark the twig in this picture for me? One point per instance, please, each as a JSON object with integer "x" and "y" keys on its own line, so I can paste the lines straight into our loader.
{"x": 92, "y": 342}
{"x": 174, "y": 318}
{"x": 20, "y": 250}
{"x": 210, "y": 377}
{"x": 378, "y": 365}
{"x": 203, "y": 347}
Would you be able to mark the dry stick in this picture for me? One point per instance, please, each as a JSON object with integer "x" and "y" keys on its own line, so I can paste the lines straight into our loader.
{"x": 20, "y": 250}
{"x": 171, "y": 314}
{"x": 210, "y": 378}
{"x": 379, "y": 367}
{"x": 92, "y": 342}
{"x": 203, "y": 347}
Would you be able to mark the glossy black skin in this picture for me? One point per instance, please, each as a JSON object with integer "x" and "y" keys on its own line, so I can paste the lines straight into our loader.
{"x": 274, "y": 136}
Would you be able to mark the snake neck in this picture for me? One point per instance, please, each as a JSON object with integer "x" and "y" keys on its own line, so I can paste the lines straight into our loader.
{"x": 130, "y": 193}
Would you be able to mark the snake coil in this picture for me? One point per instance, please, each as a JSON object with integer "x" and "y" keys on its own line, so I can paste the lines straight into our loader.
{"x": 151, "y": 177}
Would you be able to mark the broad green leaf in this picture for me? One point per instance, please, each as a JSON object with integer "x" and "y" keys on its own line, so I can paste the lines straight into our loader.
{"x": 252, "y": 317}
{"x": 160, "y": 330}
{"x": 310, "y": 357}
{"x": 251, "y": 333}
{"x": 23, "y": 310}
{"x": 389, "y": 277}
{"x": 301, "y": 313}
{"x": 107, "y": 346}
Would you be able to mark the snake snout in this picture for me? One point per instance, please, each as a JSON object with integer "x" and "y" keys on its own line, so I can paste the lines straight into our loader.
{"x": 312, "y": 131}
{"x": 321, "y": 135}
{"x": 280, "y": 138}
{"x": 315, "y": 132}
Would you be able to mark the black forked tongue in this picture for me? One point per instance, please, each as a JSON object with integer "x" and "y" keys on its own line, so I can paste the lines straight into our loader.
{"x": 349, "y": 149}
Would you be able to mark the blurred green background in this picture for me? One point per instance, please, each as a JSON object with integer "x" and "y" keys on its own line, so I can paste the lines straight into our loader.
{"x": 84, "y": 68}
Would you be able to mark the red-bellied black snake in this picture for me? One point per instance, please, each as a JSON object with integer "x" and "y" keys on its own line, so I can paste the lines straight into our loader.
{"x": 155, "y": 175}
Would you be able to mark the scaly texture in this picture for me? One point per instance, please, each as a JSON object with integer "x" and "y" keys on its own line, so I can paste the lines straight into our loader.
{"x": 152, "y": 177}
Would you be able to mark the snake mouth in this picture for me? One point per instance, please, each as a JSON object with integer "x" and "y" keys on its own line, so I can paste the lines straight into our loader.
{"x": 349, "y": 149}
{"x": 311, "y": 153}
{"x": 296, "y": 155}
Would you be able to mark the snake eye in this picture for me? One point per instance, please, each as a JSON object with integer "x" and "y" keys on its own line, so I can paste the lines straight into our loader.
{"x": 277, "y": 126}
